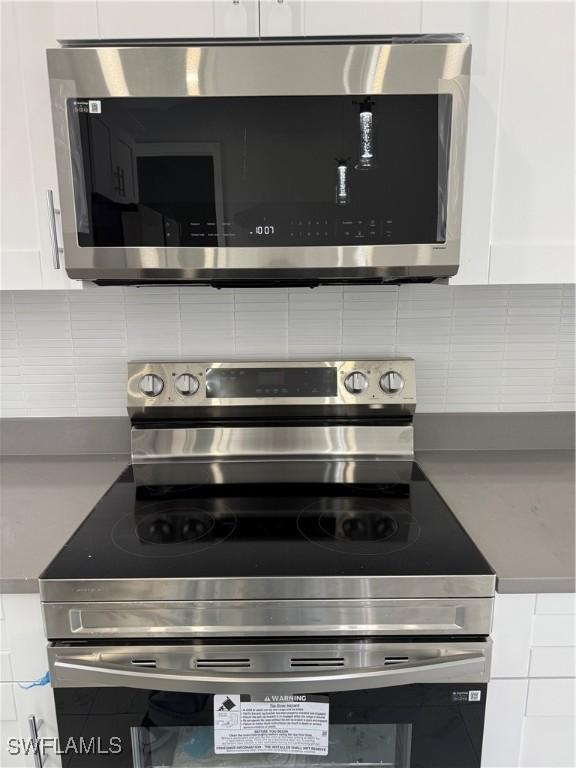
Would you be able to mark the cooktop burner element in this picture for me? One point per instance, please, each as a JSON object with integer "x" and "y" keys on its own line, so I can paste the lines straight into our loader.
{"x": 358, "y": 528}
{"x": 172, "y": 528}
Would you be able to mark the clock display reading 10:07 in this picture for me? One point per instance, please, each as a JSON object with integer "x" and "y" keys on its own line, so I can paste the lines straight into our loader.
{"x": 264, "y": 229}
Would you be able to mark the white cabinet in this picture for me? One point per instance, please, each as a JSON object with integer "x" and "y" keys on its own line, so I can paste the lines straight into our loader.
{"x": 282, "y": 18}
{"x": 168, "y": 19}
{"x": 75, "y": 19}
{"x": 533, "y": 221}
{"x": 29, "y": 170}
{"x": 20, "y": 255}
{"x": 363, "y": 17}
{"x": 17, "y": 703}
{"x": 236, "y": 18}
{"x": 159, "y": 19}
{"x": 531, "y": 698}
{"x": 485, "y": 24}
{"x": 23, "y": 660}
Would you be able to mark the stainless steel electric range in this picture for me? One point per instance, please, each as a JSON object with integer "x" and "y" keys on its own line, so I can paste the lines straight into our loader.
{"x": 273, "y": 581}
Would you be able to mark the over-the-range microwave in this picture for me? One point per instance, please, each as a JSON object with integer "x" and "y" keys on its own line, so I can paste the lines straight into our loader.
{"x": 289, "y": 162}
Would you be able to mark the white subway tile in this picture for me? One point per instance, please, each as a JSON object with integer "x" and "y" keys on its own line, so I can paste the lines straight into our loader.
{"x": 453, "y": 332}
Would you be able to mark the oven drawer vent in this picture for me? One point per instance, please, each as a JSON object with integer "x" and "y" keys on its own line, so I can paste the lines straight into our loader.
{"x": 336, "y": 661}
{"x": 147, "y": 663}
{"x": 223, "y": 663}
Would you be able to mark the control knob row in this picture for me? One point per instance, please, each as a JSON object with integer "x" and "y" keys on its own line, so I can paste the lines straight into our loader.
{"x": 390, "y": 382}
{"x": 152, "y": 385}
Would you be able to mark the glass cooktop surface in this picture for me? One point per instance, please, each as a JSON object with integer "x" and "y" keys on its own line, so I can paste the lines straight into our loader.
{"x": 393, "y": 523}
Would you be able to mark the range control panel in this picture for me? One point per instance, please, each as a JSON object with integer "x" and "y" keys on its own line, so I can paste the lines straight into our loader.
{"x": 352, "y": 382}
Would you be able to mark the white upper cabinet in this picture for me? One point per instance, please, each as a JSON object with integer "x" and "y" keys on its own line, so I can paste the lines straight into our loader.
{"x": 20, "y": 256}
{"x": 75, "y": 20}
{"x": 236, "y": 18}
{"x": 282, "y": 18}
{"x": 168, "y": 18}
{"x": 28, "y": 256}
{"x": 362, "y": 17}
{"x": 485, "y": 25}
{"x": 132, "y": 20}
{"x": 533, "y": 219}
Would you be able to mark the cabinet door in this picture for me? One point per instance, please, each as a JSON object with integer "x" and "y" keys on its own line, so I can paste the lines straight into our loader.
{"x": 236, "y": 18}
{"x": 533, "y": 228}
{"x": 282, "y": 18}
{"x": 19, "y": 251}
{"x": 505, "y": 703}
{"x": 484, "y": 22}
{"x": 363, "y": 17}
{"x": 16, "y": 705}
{"x": 33, "y": 34}
{"x": 169, "y": 19}
{"x": 75, "y": 20}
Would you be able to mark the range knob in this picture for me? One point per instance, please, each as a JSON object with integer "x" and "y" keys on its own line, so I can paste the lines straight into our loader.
{"x": 151, "y": 385}
{"x": 187, "y": 384}
{"x": 356, "y": 382}
{"x": 392, "y": 382}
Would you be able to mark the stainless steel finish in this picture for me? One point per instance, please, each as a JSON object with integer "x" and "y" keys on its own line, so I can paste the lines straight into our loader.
{"x": 33, "y": 728}
{"x": 284, "y": 69}
{"x": 170, "y": 404}
{"x": 291, "y": 469}
{"x": 356, "y": 382}
{"x": 151, "y": 385}
{"x": 186, "y": 384}
{"x": 392, "y": 382}
{"x": 243, "y": 617}
{"x": 226, "y": 444}
{"x": 52, "y": 212}
{"x": 274, "y": 588}
{"x": 296, "y": 668}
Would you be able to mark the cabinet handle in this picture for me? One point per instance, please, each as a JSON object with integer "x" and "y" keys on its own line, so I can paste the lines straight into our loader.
{"x": 34, "y": 726}
{"x": 56, "y": 249}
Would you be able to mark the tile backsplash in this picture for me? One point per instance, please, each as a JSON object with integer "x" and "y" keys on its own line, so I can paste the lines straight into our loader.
{"x": 484, "y": 348}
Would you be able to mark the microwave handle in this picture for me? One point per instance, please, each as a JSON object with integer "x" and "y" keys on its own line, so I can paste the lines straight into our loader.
{"x": 57, "y": 251}
{"x": 78, "y": 672}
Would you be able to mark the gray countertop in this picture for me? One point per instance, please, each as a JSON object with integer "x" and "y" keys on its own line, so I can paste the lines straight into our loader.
{"x": 518, "y": 506}
{"x": 43, "y": 500}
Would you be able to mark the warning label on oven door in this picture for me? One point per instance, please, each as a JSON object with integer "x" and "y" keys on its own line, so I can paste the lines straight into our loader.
{"x": 283, "y": 725}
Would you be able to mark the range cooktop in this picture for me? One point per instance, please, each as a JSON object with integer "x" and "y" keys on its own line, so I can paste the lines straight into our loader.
{"x": 393, "y": 523}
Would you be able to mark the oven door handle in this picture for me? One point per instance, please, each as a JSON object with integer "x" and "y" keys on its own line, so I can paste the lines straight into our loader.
{"x": 467, "y": 667}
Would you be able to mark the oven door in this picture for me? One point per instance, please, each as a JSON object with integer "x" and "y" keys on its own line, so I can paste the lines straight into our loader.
{"x": 402, "y": 705}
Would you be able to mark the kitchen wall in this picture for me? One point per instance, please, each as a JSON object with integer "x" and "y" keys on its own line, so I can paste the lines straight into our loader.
{"x": 479, "y": 348}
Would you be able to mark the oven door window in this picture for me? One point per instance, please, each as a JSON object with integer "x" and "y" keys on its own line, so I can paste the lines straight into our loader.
{"x": 365, "y": 744}
{"x": 260, "y": 171}
{"x": 408, "y": 726}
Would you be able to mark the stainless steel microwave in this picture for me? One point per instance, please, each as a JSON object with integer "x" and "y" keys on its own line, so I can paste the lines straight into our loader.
{"x": 264, "y": 162}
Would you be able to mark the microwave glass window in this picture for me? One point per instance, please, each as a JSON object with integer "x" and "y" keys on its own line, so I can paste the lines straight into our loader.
{"x": 386, "y": 744}
{"x": 259, "y": 171}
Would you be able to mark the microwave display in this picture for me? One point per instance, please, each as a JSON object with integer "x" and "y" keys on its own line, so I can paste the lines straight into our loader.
{"x": 260, "y": 171}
